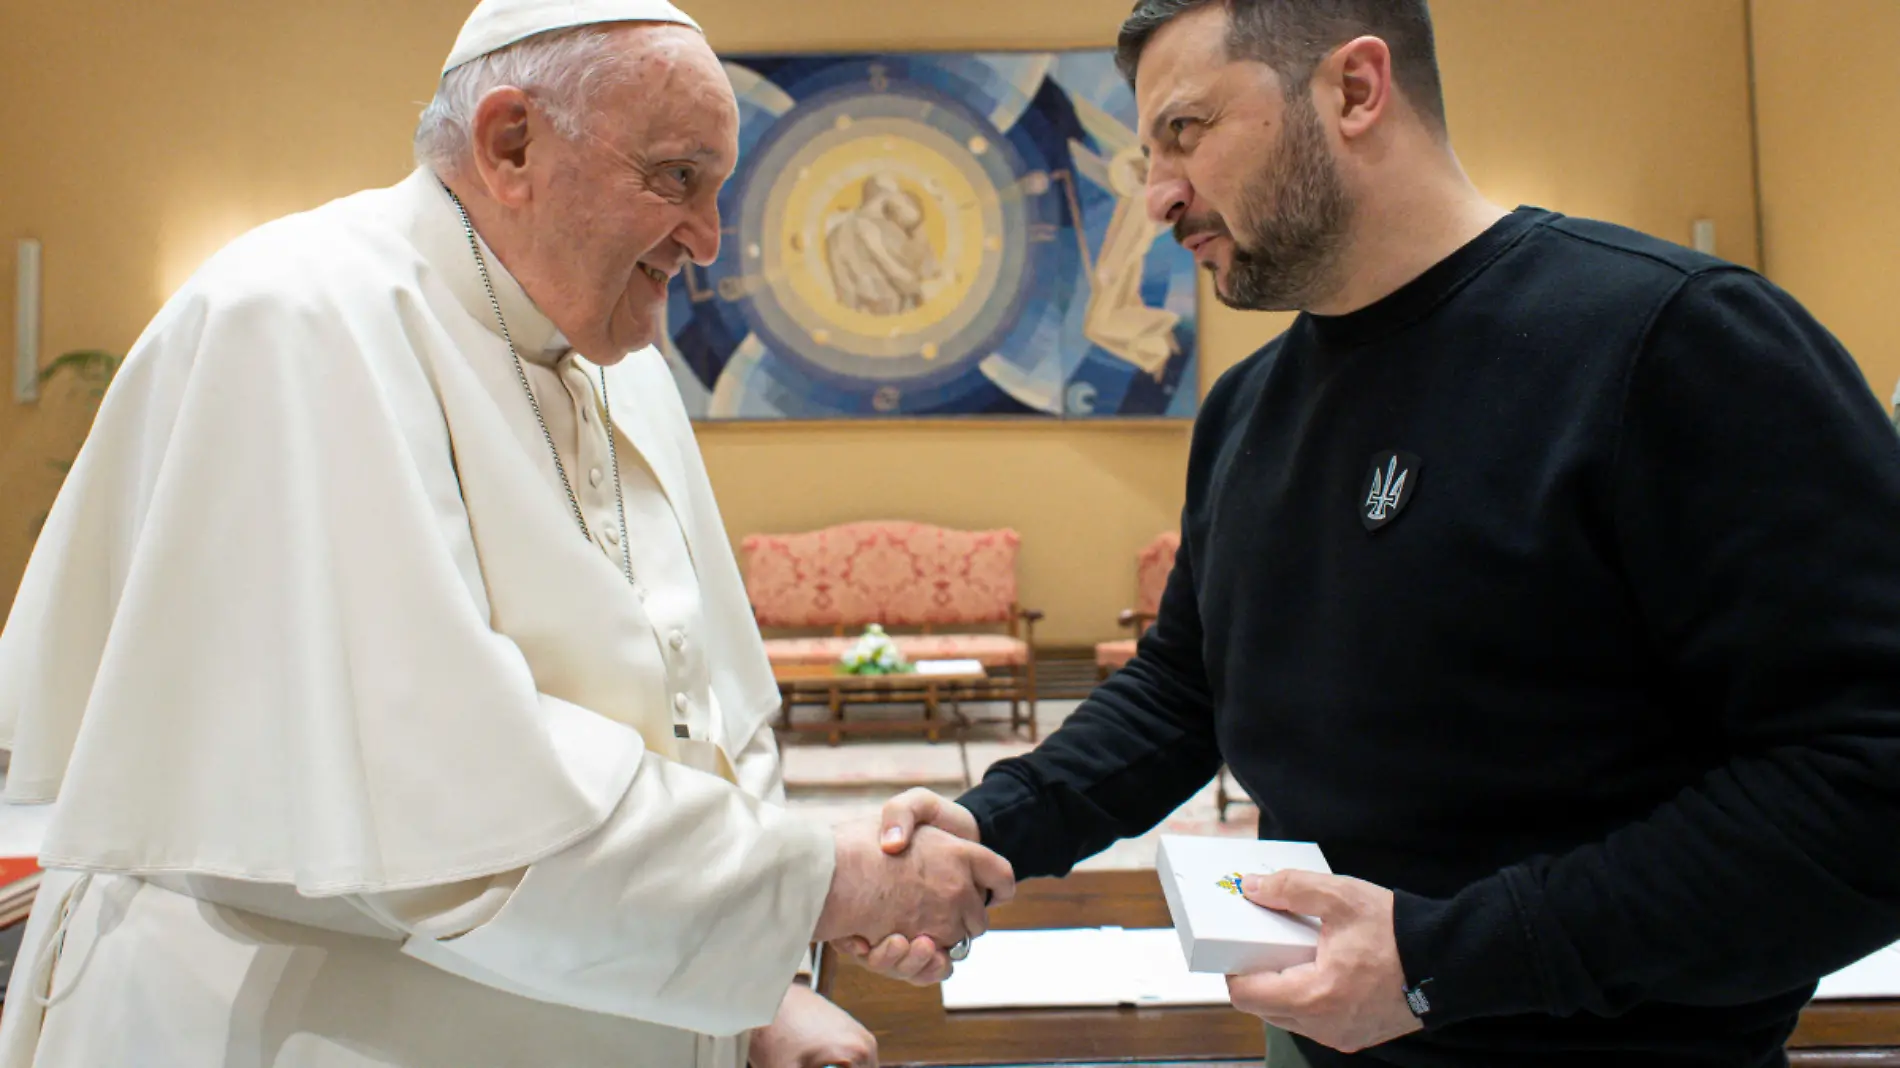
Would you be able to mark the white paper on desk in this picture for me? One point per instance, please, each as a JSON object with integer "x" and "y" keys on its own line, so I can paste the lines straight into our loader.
{"x": 1161, "y": 972}
{"x": 949, "y": 667}
{"x": 1877, "y": 976}
{"x": 22, "y": 827}
{"x": 1088, "y": 967}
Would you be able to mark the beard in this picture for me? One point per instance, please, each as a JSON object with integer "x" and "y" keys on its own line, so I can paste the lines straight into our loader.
{"x": 1295, "y": 211}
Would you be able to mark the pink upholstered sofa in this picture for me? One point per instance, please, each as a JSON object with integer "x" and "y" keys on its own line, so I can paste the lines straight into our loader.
{"x": 954, "y": 590}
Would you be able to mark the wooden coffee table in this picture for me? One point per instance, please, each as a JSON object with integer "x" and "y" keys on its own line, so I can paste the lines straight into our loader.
{"x": 825, "y": 684}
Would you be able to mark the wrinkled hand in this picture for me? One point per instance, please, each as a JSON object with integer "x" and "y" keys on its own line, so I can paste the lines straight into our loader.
{"x": 918, "y": 961}
{"x": 937, "y": 887}
{"x": 811, "y": 1032}
{"x": 1352, "y": 996}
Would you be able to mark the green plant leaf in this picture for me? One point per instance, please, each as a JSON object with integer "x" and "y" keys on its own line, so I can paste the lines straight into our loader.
{"x": 92, "y": 365}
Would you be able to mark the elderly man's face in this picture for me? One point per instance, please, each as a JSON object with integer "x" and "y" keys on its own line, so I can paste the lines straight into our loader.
{"x": 636, "y": 197}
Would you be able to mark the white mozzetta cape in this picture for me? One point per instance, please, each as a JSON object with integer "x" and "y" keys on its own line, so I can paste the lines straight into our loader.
{"x": 311, "y": 608}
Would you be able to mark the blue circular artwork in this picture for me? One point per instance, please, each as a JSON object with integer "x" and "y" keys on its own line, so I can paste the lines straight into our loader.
{"x": 936, "y": 235}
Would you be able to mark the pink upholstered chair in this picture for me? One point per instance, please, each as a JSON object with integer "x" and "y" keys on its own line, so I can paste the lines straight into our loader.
{"x": 1152, "y": 567}
{"x": 955, "y": 588}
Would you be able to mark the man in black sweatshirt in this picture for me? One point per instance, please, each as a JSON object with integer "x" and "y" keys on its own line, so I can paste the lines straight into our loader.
{"x": 1547, "y": 575}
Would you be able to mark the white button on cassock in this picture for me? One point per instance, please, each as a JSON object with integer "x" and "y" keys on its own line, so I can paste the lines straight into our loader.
{"x": 612, "y": 534}
{"x": 593, "y": 477}
{"x": 677, "y": 640}
{"x": 679, "y": 701}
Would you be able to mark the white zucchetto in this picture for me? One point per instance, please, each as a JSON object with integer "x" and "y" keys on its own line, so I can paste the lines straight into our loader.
{"x": 496, "y": 24}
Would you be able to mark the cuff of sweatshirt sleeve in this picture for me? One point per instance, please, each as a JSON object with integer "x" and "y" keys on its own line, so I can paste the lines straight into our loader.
{"x": 1007, "y": 820}
{"x": 1468, "y": 956}
{"x": 989, "y": 799}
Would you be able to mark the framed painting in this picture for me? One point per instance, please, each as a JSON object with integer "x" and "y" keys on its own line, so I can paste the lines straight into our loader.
{"x": 936, "y": 235}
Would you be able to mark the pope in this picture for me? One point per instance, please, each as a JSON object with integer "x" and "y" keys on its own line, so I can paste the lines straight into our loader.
{"x": 384, "y": 653}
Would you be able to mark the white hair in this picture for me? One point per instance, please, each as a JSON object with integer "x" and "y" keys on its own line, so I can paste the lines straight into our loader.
{"x": 560, "y": 70}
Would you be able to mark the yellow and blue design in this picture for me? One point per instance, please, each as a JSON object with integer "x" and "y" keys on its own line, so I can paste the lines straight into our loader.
{"x": 1231, "y": 884}
{"x": 936, "y": 235}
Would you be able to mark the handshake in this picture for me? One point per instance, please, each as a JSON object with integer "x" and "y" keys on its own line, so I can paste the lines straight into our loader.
{"x": 916, "y": 882}
{"x": 910, "y": 885}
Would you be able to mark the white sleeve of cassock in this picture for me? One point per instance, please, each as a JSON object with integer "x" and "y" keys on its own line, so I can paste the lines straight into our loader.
{"x": 758, "y": 769}
{"x": 691, "y": 907}
{"x": 761, "y": 773}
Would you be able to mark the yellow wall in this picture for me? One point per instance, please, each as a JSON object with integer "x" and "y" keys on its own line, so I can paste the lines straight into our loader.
{"x": 143, "y": 135}
{"x": 1829, "y": 121}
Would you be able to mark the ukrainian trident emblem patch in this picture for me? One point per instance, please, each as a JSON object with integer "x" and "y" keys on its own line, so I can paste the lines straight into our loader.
{"x": 1389, "y": 488}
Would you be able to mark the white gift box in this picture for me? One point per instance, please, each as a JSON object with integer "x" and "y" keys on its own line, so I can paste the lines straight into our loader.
{"x": 1220, "y": 930}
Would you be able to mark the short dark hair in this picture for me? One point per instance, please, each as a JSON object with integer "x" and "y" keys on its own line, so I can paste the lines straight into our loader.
{"x": 1293, "y": 36}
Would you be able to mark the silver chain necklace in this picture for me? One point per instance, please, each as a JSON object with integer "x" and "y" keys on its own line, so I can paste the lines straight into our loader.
{"x": 521, "y": 373}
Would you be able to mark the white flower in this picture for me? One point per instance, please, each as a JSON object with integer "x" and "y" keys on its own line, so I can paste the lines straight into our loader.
{"x": 873, "y": 650}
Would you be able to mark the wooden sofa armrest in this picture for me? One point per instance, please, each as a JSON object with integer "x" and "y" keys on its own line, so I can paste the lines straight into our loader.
{"x": 1022, "y": 623}
{"x": 1136, "y": 621}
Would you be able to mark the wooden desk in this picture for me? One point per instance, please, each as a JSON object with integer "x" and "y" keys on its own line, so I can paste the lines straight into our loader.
{"x": 912, "y": 1027}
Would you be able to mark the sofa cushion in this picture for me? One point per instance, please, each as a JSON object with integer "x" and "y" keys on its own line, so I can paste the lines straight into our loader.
{"x": 784, "y": 651}
{"x": 992, "y": 650}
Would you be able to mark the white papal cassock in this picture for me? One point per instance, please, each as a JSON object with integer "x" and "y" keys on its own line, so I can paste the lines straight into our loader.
{"x": 363, "y": 754}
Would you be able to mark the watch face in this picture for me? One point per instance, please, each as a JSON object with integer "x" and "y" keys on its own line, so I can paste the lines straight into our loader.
{"x": 936, "y": 235}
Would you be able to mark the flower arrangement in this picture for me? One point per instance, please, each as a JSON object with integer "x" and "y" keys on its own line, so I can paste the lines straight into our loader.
{"x": 874, "y": 654}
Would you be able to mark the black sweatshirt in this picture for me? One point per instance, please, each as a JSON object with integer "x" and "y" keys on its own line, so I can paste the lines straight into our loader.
{"x": 1607, "y": 688}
